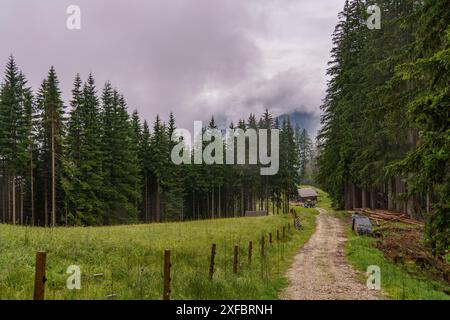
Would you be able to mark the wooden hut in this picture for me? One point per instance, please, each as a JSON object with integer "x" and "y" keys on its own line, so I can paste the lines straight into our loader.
{"x": 306, "y": 194}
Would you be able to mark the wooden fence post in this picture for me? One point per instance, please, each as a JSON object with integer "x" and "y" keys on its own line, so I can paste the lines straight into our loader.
{"x": 289, "y": 226}
{"x": 211, "y": 265}
{"x": 284, "y": 233}
{"x": 278, "y": 235}
{"x": 235, "y": 259}
{"x": 39, "y": 276}
{"x": 270, "y": 237}
{"x": 167, "y": 265}
{"x": 250, "y": 249}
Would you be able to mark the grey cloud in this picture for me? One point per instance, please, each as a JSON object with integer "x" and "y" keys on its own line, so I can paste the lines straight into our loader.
{"x": 195, "y": 58}
{"x": 286, "y": 92}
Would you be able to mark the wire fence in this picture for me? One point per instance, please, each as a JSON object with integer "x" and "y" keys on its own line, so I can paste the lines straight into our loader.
{"x": 239, "y": 262}
{"x": 188, "y": 273}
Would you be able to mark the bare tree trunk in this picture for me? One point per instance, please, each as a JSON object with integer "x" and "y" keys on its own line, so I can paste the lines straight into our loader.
{"x": 193, "y": 204}
{"x": 413, "y": 205}
{"x": 220, "y": 203}
{"x": 242, "y": 201}
{"x": 401, "y": 189}
{"x": 146, "y": 198}
{"x": 347, "y": 197}
{"x": 21, "y": 202}
{"x": 33, "y": 216}
{"x": 14, "y": 197}
{"x": 267, "y": 195}
{"x": 354, "y": 200}
{"x": 213, "y": 205}
{"x": 197, "y": 210}
{"x": 363, "y": 198}
{"x": 46, "y": 204}
{"x": 53, "y": 177}
{"x": 158, "y": 200}
{"x": 390, "y": 195}
{"x": 397, "y": 202}
{"x": 288, "y": 203}
{"x": 9, "y": 199}
{"x": 208, "y": 212}
{"x": 273, "y": 204}
{"x": 373, "y": 204}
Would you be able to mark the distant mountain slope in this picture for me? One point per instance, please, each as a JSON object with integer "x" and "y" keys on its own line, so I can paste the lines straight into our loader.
{"x": 310, "y": 122}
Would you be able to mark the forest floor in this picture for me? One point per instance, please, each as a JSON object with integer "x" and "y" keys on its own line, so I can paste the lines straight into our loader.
{"x": 320, "y": 270}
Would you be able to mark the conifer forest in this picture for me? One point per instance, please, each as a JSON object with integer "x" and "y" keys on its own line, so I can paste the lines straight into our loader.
{"x": 225, "y": 150}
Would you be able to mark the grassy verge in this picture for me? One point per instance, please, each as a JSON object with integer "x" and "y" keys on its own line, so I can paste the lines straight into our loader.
{"x": 324, "y": 200}
{"x": 396, "y": 282}
{"x": 130, "y": 259}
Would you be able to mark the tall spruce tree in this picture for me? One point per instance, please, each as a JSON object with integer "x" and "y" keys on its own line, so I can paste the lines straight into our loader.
{"x": 145, "y": 155}
{"x": 159, "y": 160}
{"x": 120, "y": 161}
{"x": 84, "y": 174}
{"x": 14, "y": 137}
{"x": 51, "y": 130}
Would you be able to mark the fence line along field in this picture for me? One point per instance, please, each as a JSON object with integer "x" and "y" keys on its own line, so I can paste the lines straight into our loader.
{"x": 126, "y": 262}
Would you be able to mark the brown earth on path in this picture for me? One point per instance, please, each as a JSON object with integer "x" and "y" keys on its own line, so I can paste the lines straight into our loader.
{"x": 320, "y": 270}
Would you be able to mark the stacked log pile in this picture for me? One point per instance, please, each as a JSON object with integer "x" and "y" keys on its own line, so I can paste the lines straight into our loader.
{"x": 383, "y": 215}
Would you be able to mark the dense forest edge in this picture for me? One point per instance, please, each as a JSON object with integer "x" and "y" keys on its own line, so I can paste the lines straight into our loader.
{"x": 91, "y": 163}
{"x": 385, "y": 137}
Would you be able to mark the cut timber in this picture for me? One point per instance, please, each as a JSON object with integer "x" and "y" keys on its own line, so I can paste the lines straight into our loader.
{"x": 388, "y": 216}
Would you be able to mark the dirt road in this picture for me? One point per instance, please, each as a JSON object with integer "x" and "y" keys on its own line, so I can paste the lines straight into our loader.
{"x": 320, "y": 270}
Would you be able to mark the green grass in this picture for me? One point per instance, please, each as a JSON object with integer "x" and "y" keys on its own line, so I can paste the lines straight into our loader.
{"x": 324, "y": 200}
{"x": 395, "y": 281}
{"x": 131, "y": 259}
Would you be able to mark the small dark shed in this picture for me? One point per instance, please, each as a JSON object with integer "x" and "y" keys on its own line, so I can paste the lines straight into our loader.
{"x": 306, "y": 194}
{"x": 256, "y": 213}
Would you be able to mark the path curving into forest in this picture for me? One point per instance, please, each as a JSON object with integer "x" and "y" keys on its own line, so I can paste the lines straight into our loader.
{"x": 320, "y": 270}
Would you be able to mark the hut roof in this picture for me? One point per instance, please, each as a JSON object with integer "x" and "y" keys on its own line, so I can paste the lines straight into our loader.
{"x": 307, "y": 192}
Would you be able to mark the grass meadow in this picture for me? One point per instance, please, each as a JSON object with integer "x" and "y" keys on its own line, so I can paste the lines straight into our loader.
{"x": 126, "y": 262}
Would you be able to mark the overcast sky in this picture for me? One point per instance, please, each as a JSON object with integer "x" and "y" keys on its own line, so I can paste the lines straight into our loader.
{"x": 193, "y": 57}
